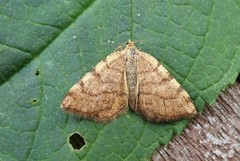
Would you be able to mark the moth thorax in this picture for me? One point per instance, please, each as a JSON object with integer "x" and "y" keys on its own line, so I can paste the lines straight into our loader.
{"x": 131, "y": 75}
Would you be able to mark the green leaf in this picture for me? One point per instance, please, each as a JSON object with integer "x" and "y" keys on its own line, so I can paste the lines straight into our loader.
{"x": 46, "y": 47}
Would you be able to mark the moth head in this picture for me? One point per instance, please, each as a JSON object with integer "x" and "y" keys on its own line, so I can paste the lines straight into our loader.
{"x": 130, "y": 44}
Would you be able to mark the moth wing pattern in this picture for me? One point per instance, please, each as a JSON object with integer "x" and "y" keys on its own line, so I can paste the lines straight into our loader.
{"x": 102, "y": 93}
{"x": 160, "y": 97}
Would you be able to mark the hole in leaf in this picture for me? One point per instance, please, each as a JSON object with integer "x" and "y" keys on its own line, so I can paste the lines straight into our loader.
{"x": 34, "y": 101}
{"x": 37, "y": 72}
{"x": 76, "y": 141}
{"x": 238, "y": 78}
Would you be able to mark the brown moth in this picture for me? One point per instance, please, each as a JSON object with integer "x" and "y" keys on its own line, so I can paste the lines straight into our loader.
{"x": 129, "y": 78}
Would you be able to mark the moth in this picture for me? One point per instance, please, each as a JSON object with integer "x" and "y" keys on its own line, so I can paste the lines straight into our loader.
{"x": 129, "y": 78}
